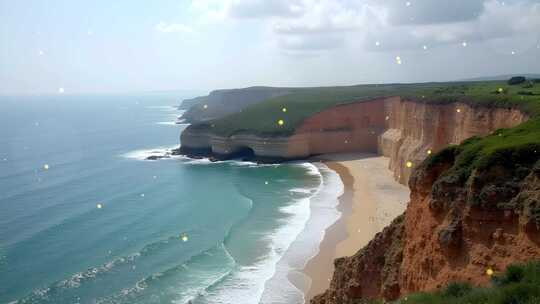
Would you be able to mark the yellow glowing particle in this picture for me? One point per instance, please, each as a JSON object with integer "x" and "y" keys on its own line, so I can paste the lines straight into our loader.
{"x": 281, "y": 122}
{"x": 500, "y": 90}
{"x": 99, "y": 206}
{"x": 205, "y": 106}
{"x": 46, "y": 167}
{"x": 458, "y": 110}
{"x": 409, "y": 164}
{"x": 429, "y": 152}
{"x": 284, "y": 110}
{"x": 387, "y": 118}
{"x": 184, "y": 237}
{"x": 489, "y": 272}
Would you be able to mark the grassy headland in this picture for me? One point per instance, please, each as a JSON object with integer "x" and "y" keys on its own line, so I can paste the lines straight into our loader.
{"x": 518, "y": 146}
{"x": 263, "y": 118}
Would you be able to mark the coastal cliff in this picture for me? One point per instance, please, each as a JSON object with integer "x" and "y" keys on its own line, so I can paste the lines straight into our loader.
{"x": 220, "y": 103}
{"x": 415, "y": 129}
{"x": 469, "y": 153}
{"x": 405, "y": 131}
{"x": 454, "y": 229}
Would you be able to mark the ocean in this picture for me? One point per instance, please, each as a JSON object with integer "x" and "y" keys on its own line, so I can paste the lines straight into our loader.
{"x": 85, "y": 219}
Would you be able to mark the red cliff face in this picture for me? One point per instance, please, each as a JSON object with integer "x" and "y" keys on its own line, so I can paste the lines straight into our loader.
{"x": 415, "y": 129}
{"x": 345, "y": 128}
{"x": 443, "y": 238}
{"x": 404, "y": 131}
{"x": 484, "y": 225}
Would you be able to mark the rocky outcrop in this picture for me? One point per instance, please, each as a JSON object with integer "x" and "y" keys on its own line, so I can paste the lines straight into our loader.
{"x": 451, "y": 231}
{"x": 223, "y": 102}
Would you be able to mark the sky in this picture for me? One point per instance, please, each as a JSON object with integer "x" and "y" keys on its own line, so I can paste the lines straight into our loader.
{"x": 104, "y": 46}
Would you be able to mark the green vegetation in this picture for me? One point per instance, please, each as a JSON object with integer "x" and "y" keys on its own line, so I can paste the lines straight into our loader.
{"x": 516, "y": 149}
{"x": 519, "y": 284}
{"x": 262, "y": 118}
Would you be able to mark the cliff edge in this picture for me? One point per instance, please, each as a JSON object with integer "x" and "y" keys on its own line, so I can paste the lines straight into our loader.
{"x": 457, "y": 225}
{"x": 406, "y": 131}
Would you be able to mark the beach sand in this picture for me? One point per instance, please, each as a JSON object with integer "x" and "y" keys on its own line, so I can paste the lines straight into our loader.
{"x": 371, "y": 200}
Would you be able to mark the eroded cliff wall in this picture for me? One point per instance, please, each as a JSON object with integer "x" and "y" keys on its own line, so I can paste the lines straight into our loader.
{"x": 405, "y": 131}
{"x": 450, "y": 232}
{"x": 416, "y": 129}
{"x": 346, "y": 128}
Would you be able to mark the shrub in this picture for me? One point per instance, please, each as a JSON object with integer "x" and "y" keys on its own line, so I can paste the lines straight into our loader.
{"x": 519, "y": 284}
{"x": 516, "y": 80}
{"x": 518, "y": 294}
{"x": 528, "y": 85}
{"x": 513, "y": 274}
{"x": 456, "y": 290}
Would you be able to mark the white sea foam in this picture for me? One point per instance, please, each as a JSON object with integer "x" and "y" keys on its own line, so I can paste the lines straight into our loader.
{"x": 167, "y": 123}
{"x": 311, "y": 168}
{"x": 143, "y": 154}
{"x": 301, "y": 190}
{"x": 259, "y": 282}
{"x": 322, "y": 214}
{"x": 247, "y": 284}
{"x": 232, "y": 162}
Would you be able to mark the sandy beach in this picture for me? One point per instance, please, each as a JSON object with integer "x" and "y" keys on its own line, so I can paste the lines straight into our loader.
{"x": 371, "y": 200}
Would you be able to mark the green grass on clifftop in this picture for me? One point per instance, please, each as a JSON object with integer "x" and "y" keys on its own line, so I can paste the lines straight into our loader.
{"x": 519, "y": 284}
{"x": 262, "y": 118}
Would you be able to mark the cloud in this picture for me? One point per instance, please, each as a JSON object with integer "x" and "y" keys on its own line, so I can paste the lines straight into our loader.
{"x": 402, "y": 12}
{"x": 264, "y": 8}
{"x": 497, "y": 20}
{"x": 310, "y": 43}
{"x": 323, "y": 17}
{"x": 174, "y": 28}
{"x": 396, "y": 24}
{"x": 324, "y": 25}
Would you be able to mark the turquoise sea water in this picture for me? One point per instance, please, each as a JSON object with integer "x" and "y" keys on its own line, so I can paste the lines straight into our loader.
{"x": 169, "y": 231}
